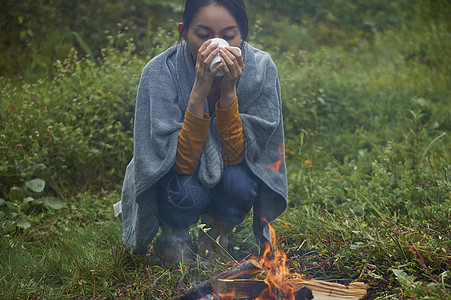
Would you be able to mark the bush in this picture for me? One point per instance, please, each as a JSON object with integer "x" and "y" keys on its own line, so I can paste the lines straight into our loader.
{"x": 34, "y": 34}
{"x": 75, "y": 130}
{"x": 347, "y": 101}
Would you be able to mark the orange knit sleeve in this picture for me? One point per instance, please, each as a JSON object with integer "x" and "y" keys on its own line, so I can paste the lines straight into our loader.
{"x": 191, "y": 140}
{"x": 230, "y": 131}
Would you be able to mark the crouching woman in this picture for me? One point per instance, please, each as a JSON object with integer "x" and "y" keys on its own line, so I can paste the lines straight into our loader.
{"x": 208, "y": 142}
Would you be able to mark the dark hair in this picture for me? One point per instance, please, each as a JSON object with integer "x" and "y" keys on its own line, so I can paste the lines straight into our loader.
{"x": 235, "y": 7}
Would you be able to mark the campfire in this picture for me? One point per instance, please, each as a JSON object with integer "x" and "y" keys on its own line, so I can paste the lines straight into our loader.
{"x": 240, "y": 281}
{"x": 276, "y": 284}
{"x": 278, "y": 274}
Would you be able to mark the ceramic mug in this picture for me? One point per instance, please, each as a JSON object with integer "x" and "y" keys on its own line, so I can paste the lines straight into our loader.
{"x": 222, "y": 44}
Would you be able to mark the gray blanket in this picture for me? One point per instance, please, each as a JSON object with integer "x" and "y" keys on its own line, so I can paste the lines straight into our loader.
{"x": 163, "y": 95}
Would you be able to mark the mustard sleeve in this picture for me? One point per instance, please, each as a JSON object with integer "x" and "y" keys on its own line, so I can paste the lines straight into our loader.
{"x": 230, "y": 131}
{"x": 191, "y": 140}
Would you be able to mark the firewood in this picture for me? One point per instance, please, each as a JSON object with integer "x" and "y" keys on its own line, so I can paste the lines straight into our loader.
{"x": 303, "y": 294}
{"x": 251, "y": 289}
{"x": 238, "y": 279}
{"x": 323, "y": 290}
{"x": 247, "y": 269}
{"x": 303, "y": 289}
{"x": 240, "y": 288}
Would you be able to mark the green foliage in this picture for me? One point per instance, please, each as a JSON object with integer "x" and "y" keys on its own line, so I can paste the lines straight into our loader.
{"x": 76, "y": 127}
{"x": 25, "y": 205}
{"x": 420, "y": 290}
{"x": 351, "y": 15}
{"x": 34, "y": 34}
{"x": 354, "y": 100}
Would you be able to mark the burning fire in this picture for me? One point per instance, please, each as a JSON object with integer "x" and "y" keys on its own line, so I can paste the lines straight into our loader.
{"x": 276, "y": 282}
{"x": 278, "y": 272}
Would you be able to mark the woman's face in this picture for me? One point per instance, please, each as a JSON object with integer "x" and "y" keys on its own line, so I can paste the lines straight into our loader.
{"x": 212, "y": 21}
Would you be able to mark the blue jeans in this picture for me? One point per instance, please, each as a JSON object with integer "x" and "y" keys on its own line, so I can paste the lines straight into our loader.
{"x": 182, "y": 198}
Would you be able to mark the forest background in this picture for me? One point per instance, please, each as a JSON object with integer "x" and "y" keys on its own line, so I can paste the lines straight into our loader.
{"x": 367, "y": 114}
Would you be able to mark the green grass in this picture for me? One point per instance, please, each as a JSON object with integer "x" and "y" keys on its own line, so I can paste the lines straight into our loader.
{"x": 367, "y": 123}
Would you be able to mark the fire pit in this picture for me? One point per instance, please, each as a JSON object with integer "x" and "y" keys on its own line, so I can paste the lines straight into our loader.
{"x": 239, "y": 283}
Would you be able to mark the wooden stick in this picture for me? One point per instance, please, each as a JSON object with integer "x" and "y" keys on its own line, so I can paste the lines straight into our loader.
{"x": 251, "y": 289}
{"x": 244, "y": 270}
{"x": 330, "y": 290}
{"x": 240, "y": 288}
{"x": 302, "y": 289}
{"x": 235, "y": 279}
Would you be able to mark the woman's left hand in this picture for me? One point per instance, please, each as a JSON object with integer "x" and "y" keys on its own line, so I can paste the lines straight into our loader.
{"x": 233, "y": 68}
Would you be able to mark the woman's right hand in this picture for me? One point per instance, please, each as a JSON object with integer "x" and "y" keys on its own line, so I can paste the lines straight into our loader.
{"x": 204, "y": 78}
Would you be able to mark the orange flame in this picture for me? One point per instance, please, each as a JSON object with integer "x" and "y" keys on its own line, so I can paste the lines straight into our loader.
{"x": 275, "y": 260}
{"x": 278, "y": 272}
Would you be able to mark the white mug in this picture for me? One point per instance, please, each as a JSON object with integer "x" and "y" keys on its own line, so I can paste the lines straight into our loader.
{"x": 222, "y": 44}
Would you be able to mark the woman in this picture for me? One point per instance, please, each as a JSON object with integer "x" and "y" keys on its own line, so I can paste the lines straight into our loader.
{"x": 205, "y": 146}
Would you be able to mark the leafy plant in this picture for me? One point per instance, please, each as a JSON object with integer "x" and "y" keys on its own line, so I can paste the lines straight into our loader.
{"x": 25, "y": 203}
{"x": 74, "y": 128}
{"x": 422, "y": 290}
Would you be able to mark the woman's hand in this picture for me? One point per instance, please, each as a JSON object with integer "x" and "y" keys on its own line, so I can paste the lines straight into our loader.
{"x": 233, "y": 68}
{"x": 204, "y": 78}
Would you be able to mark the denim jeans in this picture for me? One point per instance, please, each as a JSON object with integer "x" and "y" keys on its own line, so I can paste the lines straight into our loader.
{"x": 182, "y": 198}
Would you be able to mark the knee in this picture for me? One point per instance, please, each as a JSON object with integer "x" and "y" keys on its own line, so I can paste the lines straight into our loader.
{"x": 238, "y": 183}
{"x": 181, "y": 200}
